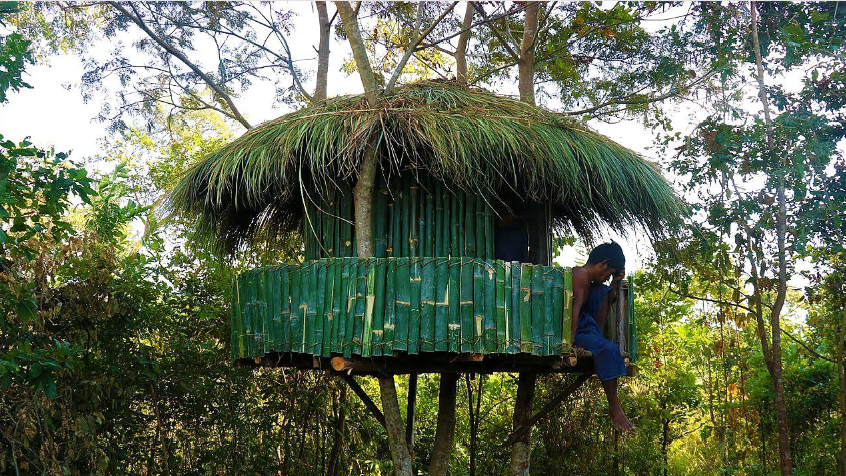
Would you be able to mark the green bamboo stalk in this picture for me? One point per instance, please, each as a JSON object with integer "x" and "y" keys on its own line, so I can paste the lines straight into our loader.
{"x": 413, "y": 225}
{"x": 557, "y": 309}
{"x": 369, "y": 311}
{"x": 510, "y": 312}
{"x": 526, "y": 308}
{"x": 429, "y": 220}
{"x": 466, "y": 291}
{"x": 360, "y": 306}
{"x": 427, "y": 306}
{"x": 416, "y": 278}
{"x": 479, "y": 309}
{"x": 338, "y": 301}
{"x": 538, "y": 309}
{"x": 328, "y": 303}
{"x": 237, "y": 342}
{"x": 378, "y": 305}
{"x": 349, "y": 276}
{"x": 470, "y": 230}
{"x": 567, "y": 317}
{"x": 296, "y": 282}
{"x": 517, "y": 316}
{"x": 454, "y": 309}
{"x": 490, "y": 307}
{"x": 549, "y": 317}
{"x": 403, "y": 304}
{"x": 500, "y": 298}
{"x": 441, "y": 304}
{"x": 319, "y": 307}
{"x": 489, "y": 233}
{"x": 456, "y": 244}
{"x": 480, "y": 225}
{"x": 390, "y": 323}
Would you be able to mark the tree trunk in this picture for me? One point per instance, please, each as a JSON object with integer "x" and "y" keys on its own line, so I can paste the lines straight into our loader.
{"x": 841, "y": 374}
{"x": 526, "y": 65}
{"x": 393, "y": 424}
{"x": 340, "y": 424}
{"x": 363, "y": 191}
{"x": 362, "y": 195}
{"x": 445, "y": 432}
{"x": 461, "y": 46}
{"x": 521, "y": 449}
{"x": 473, "y": 416}
{"x": 321, "y": 86}
{"x": 785, "y": 462}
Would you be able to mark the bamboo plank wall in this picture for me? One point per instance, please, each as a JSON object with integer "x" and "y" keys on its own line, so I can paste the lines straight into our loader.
{"x": 373, "y": 307}
{"x": 412, "y": 217}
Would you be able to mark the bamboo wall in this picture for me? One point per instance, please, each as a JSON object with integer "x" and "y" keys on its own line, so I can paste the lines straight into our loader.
{"x": 413, "y": 217}
{"x": 372, "y": 307}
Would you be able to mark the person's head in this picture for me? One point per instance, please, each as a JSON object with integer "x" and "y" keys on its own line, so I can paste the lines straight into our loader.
{"x": 606, "y": 260}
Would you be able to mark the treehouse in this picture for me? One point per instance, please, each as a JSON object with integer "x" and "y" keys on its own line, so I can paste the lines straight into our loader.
{"x": 470, "y": 189}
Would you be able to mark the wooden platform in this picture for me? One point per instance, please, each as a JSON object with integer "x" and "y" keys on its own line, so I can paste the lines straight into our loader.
{"x": 581, "y": 361}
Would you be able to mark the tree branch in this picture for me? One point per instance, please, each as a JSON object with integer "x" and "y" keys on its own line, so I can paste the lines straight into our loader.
{"x": 411, "y": 47}
{"x": 179, "y": 55}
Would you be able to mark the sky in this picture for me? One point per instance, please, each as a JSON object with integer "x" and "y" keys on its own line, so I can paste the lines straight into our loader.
{"x": 53, "y": 112}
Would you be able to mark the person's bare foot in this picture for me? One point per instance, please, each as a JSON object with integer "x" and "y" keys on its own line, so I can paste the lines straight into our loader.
{"x": 620, "y": 420}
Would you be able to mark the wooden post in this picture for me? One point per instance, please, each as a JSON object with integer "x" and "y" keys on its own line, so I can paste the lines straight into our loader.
{"x": 445, "y": 431}
{"x": 520, "y": 448}
{"x": 525, "y": 429}
{"x": 409, "y": 413}
{"x": 368, "y": 402}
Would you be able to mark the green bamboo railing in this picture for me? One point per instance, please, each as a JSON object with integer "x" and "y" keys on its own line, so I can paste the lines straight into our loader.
{"x": 373, "y": 307}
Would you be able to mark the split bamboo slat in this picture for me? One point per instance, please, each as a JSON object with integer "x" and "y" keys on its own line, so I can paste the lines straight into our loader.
{"x": 379, "y": 306}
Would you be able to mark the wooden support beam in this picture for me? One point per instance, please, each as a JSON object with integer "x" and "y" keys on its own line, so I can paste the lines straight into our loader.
{"x": 409, "y": 412}
{"x": 551, "y": 405}
{"x": 578, "y": 361}
{"x": 365, "y": 399}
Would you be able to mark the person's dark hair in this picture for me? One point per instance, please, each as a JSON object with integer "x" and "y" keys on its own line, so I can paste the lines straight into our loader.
{"x": 610, "y": 252}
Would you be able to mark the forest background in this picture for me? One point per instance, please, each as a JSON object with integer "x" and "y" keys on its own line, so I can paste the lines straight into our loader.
{"x": 114, "y": 325}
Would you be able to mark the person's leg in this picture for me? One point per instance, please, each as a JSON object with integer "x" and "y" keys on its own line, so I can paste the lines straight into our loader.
{"x": 618, "y": 417}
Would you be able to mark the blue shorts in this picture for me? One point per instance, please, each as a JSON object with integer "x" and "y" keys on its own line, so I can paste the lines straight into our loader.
{"x": 607, "y": 359}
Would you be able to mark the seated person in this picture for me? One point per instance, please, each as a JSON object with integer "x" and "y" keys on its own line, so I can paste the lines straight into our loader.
{"x": 590, "y": 310}
{"x": 511, "y": 241}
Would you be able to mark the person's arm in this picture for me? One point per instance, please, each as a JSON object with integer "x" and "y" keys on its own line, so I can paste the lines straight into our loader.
{"x": 580, "y": 286}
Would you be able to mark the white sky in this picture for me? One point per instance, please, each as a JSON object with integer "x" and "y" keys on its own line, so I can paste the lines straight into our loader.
{"x": 55, "y": 115}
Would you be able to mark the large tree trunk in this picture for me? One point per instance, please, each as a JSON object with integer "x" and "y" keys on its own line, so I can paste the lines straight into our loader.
{"x": 461, "y": 46}
{"x": 363, "y": 194}
{"x": 841, "y": 374}
{"x": 526, "y": 65}
{"x": 321, "y": 86}
{"x": 785, "y": 462}
{"x": 445, "y": 432}
{"x": 393, "y": 425}
{"x": 521, "y": 449}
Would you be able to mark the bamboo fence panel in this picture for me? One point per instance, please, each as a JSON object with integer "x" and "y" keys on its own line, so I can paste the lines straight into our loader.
{"x": 379, "y": 306}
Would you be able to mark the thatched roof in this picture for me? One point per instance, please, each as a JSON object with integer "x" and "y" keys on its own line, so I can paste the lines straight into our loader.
{"x": 254, "y": 187}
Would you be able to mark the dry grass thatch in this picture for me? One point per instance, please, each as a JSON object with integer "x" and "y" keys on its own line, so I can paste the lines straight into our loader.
{"x": 252, "y": 189}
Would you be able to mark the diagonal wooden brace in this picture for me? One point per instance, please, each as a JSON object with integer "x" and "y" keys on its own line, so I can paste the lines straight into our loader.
{"x": 554, "y": 402}
{"x": 365, "y": 398}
